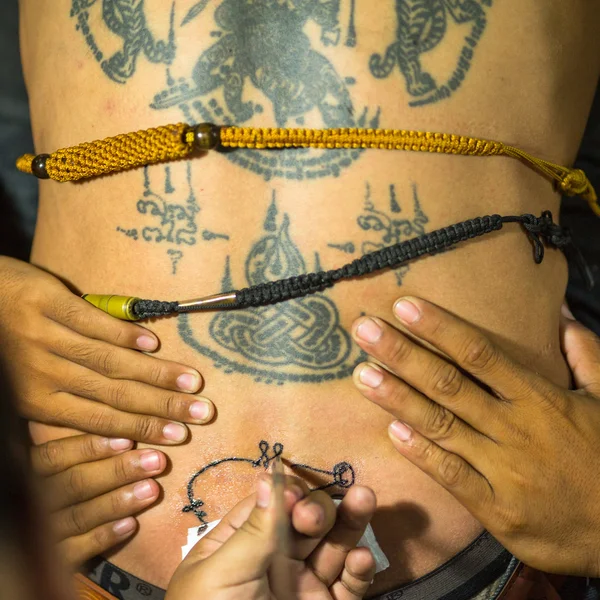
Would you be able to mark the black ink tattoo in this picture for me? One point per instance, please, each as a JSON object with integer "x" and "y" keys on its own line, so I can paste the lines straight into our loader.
{"x": 127, "y": 20}
{"x": 298, "y": 341}
{"x": 388, "y": 228}
{"x": 173, "y": 223}
{"x": 262, "y": 44}
{"x": 422, "y": 26}
{"x": 340, "y": 477}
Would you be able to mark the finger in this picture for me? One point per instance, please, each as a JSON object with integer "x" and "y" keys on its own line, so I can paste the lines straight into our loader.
{"x": 120, "y": 363}
{"x": 353, "y": 515}
{"x": 68, "y": 410}
{"x": 427, "y": 372}
{"x": 295, "y": 490}
{"x": 59, "y": 455}
{"x": 80, "y": 316}
{"x": 133, "y": 397}
{"x": 312, "y": 518}
{"x": 78, "y": 550}
{"x": 582, "y": 351}
{"x": 251, "y": 547}
{"x": 357, "y": 576}
{"x": 115, "y": 505}
{"x": 83, "y": 482}
{"x": 431, "y": 419}
{"x": 467, "y": 347}
{"x": 453, "y": 473}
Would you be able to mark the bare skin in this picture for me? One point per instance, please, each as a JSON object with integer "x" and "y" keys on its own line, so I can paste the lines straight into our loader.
{"x": 523, "y": 87}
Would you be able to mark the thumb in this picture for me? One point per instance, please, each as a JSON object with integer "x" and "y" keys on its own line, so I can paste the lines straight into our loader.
{"x": 248, "y": 554}
{"x": 581, "y": 348}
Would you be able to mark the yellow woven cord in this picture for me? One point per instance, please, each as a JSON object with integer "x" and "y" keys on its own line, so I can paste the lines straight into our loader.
{"x": 177, "y": 141}
{"x": 119, "y": 153}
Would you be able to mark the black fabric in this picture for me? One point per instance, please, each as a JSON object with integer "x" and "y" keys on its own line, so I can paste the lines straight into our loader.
{"x": 464, "y": 576}
{"x": 585, "y": 228}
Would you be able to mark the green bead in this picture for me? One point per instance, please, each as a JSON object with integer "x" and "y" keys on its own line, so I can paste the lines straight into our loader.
{"x": 206, "y": 136}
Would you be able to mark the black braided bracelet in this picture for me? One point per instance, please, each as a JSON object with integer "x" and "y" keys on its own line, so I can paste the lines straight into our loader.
{"x": 540, "y": 230}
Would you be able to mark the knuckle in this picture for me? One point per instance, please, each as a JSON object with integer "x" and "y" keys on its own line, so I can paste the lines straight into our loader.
{"x": 75, "y": 483}
{"x": 121, "y": 471}
{"x": 397, "y": 351}
{"x": 480, "y": 354}
{"x": 89, "y": 448}
{"x": 511, "y": 519}
{"x": 447, "y": 380}
{"x": 118, "y": 503}
{"x": 117, "y": 394}
{"x": 158, "y": 374}
{"x": 102, "y": 539}
{"x": 439, "y": 422}
{"x": 106, "y": 362}
{"x": 174, "y": 406}
{"x": 51, "y": 456}
{"x": 451, "y": 470}
{"x": 146, "y": 429}
{"x": 101, "y": 421}
{"x": 77, "y": 520}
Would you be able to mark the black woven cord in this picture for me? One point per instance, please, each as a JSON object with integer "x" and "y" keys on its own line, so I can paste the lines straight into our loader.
{"x": 392, "y": 256}
{"x": 540, "y": 230}
{"x": 146, "y": 309}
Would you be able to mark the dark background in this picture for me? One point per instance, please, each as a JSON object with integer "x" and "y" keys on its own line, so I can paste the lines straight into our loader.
{"x": 18, "y": 192}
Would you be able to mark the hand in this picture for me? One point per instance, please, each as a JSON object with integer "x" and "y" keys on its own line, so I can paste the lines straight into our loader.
{"x": 92, "y": 487}
{"x": 75, "y": 366}
{"x": 520, "y": 454}
{"x": 239, "y": 560}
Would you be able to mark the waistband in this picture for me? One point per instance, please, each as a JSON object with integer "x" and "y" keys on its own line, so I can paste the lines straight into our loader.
{"x": 479, "y": 572}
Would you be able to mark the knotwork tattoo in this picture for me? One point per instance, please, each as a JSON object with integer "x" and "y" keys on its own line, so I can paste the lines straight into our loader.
{"x": 387, "y": 228}
{"x": 127, "y": 20}
{"x": 422, "y": 26}
{"x": 171, "y": 223}
{"x": 300, "y": 340}
{"x": 341, "y": 476}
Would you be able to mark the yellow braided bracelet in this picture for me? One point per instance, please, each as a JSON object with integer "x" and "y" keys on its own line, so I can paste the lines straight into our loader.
{"x": 172, "y": 142}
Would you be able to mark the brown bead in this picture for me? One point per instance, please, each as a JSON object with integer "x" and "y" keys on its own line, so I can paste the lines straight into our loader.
{"x": 206, "y": 136}
{"x": 38, "y": 166}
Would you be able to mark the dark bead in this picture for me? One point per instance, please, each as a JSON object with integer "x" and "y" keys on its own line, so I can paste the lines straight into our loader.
{"x": 38, "y": 166}
{"x": 206, "y": 136}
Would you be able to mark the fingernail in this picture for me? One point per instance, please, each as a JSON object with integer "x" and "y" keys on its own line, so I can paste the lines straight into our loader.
{"x": 407, "y": 312}
{"x": 118, "y": 444}
{"x": 188, "y": 382}
{"x": 145, "y": 342}
{"x": 566, "y": 312}
{"x": 200, "y": 411}
{"x": 143, "y": 490}
{"x": 150, "y": 461}
{"x": 175, "y": 432}
{"x": 263, "y": 493}
{"x": 124, "y": 526}
{"x": 370, "y": 376}
{"x": 369, "y": 331}
{"x": 401, "y": 431}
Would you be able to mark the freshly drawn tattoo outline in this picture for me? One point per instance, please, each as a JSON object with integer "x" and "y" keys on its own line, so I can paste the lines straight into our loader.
{"x": 342, "y": 476}
{"x": 177, "y": 222}
{"x": 282, "y": 64}
{"x": 127, "y": 20}
{"x": 300, "y": 340}
{"x": 422, "y": 25}
{"x": 391, "y": 229}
